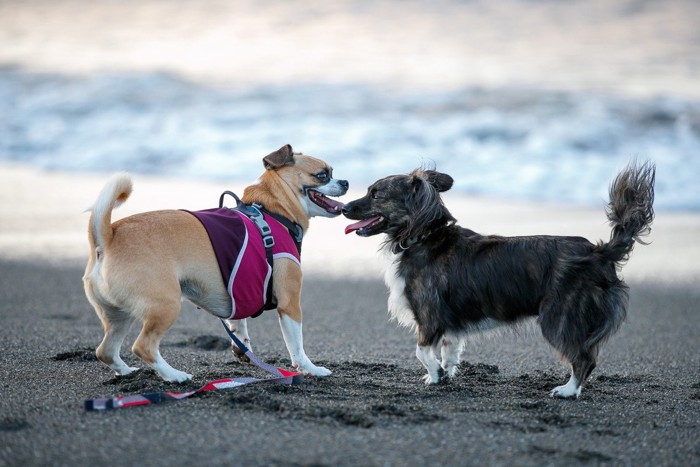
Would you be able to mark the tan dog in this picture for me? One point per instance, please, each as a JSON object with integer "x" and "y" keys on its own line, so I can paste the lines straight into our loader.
{"x": 141, "y": 266}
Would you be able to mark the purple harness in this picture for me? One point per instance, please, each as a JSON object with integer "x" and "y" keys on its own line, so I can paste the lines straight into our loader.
{"x": 241, "y": 255}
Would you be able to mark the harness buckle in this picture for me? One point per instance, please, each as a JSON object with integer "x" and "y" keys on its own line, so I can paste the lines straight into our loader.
{"x": 268, "y": 241}
{"x": 253, "y": 210}
{"x": 265, "y": 229}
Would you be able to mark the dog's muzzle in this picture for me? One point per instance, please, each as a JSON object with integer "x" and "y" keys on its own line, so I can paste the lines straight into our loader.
{"x": 333, "y": 188}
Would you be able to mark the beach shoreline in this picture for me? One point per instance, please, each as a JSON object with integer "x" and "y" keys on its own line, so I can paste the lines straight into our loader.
{"x": 43, "y": 217}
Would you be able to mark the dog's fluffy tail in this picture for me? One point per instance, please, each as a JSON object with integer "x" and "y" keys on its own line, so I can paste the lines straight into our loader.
{"x": 114, "y": 193}
{"x": 630, "y": 210}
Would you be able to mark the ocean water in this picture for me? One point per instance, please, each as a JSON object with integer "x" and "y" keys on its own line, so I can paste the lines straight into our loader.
{"x": 517, "y": 99}
{"x": 519, "y": 144}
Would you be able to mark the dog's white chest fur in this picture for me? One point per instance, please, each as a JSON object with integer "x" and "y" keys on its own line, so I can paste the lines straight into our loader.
{"x": 399, "y": 309}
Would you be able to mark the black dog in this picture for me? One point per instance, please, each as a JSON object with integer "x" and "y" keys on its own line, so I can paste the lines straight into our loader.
{"x": 446, "y": 281}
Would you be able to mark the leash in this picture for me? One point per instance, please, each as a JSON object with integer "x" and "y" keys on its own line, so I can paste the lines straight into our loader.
{"x": 119, "y": 402}
{"x": 281, "y": 376}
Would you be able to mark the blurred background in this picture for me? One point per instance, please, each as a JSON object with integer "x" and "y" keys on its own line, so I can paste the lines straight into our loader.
{"x": 530, "y": 100}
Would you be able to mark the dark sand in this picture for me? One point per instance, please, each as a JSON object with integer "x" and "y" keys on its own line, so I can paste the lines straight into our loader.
{"x": 641, "y": 407}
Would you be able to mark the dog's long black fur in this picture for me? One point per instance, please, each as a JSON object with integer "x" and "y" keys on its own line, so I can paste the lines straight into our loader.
{"x": 457, "y": 280}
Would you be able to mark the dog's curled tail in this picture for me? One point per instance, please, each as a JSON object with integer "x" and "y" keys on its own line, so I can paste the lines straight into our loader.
{"x": 630, "y": 210}
{"x": 114, "y": 193}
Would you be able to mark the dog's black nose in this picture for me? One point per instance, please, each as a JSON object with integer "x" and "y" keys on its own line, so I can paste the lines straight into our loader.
{"x": 344, "y": 184}
{"x": 347, "y": 209}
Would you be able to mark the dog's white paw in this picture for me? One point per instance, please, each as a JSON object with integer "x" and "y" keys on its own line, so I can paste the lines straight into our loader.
{"x": 169, "y": 373}
{"x": 321, "y": 371}
{"x": 120, "y": 368}
{"x": 569, "y": 390}
{"x": 451, "y": 372}
{"x": 431, "y": 379}
{"x": 123, "y": 370}
{"x": 566, "y": 392}
{"x": 311, "y": 369}
{"x": 177, "y": 376}
{"x": 316, "y": 371}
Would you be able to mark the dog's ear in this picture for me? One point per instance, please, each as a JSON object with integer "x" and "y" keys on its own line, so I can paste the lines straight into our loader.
{"x": 441, "y": 182}
{"x": 423, "y": 204}
{"x": 283, "y": 156}
{"x": 415, "y": 182}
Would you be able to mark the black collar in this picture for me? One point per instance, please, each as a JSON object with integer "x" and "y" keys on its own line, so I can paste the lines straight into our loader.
{"x": 403, "y": 245}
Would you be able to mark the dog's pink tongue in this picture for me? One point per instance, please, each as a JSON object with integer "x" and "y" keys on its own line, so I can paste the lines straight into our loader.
{"x": 358, "y": 225}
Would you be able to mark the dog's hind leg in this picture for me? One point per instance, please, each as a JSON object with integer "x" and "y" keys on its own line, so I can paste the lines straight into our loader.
{"x": 451, "y": 353}
{"x": 116, "y": 324}
{"x": 590, "y": 316}
{"x": 581, "y": 368}
{"x": 158, "y": 317}
{"x": 578, "y": 359}
{"x": 575, "y": 333}
{"x": 565, "y": 334}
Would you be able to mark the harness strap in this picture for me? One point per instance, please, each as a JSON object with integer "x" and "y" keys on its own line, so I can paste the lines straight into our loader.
{"x": 254, "y": 212}
{"x": 294, "y": 229}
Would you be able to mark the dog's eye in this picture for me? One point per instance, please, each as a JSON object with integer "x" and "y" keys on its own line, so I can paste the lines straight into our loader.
{"x": 322, "y": 176}
{"x": 374, "y": 194}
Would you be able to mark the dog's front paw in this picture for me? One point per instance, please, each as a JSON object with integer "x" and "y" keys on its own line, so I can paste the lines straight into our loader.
{"x": 451, "y": 372}
{"x": 123, "y": 370}
{"x": 434, "y": 377}
{"x": 119, "y": 367}
{"x": 172, "y": 375}
{"x": 238, "y": 353}
{"x": 179, "y": 377}
{"x": 243, "y": 358}
{"x": 313, "y": 370}
{"x": 430, "y": 379}
{"x": 320, "y": 371}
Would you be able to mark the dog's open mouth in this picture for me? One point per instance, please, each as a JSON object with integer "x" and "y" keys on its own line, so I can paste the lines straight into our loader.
{"x": 330, "y": 205}
{"x": 365, "y": 226}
